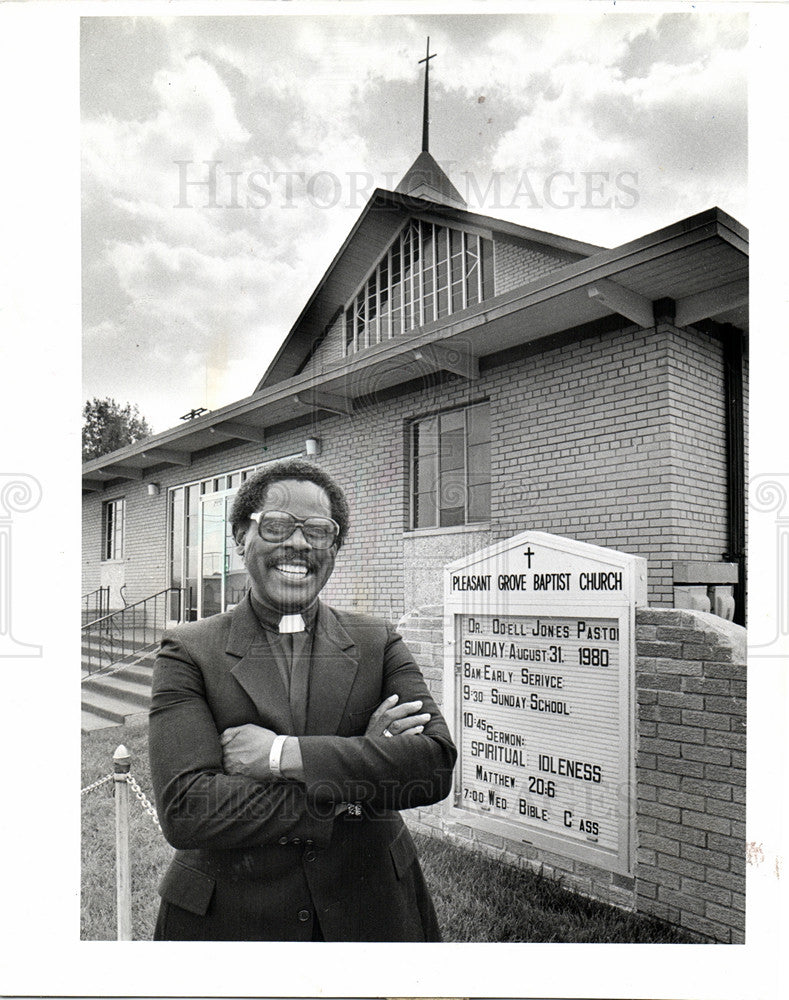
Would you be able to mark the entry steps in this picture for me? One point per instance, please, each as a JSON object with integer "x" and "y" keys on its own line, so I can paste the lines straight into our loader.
{"x": 108, "y": 699}
{"x": 100, "y": 651}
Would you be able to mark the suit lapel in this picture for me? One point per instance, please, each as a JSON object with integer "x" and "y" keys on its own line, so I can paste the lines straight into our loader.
{"x": 332, "y": 673}
{"x": 256, "y": 670}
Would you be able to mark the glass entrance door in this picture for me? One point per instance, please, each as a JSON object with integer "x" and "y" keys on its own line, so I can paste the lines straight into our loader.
{"x": 222, "y": 579}
{"x": 235, "y": 571}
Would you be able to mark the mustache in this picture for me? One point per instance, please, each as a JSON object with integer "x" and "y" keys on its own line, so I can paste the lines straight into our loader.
{"x": 291, "y": 556}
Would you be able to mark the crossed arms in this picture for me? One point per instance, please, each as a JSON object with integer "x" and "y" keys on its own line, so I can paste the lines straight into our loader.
{"x": 206, "y": 802}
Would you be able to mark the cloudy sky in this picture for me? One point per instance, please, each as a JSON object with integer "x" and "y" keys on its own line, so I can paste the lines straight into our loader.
{"x": 226, "y": 158}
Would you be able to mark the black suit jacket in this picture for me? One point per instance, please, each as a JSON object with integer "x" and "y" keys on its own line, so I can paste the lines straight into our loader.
{"x": 261, "y": 860}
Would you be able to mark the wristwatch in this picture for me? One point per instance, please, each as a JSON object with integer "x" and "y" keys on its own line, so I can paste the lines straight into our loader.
{"x": 275, "y": 756}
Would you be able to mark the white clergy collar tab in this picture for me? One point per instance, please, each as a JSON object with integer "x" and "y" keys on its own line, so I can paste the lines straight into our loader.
{"x": 292, "y": 623}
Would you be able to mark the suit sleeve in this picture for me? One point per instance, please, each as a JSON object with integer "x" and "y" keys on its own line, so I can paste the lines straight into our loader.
{"x": 398, "y": 773}
{"x": 199, "y": 805}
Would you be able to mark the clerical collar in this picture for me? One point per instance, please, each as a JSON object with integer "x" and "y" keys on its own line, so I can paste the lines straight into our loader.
{"x": 275, "y": 621}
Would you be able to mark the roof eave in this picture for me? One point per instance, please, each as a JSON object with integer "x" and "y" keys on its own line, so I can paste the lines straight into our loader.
{"x": 410, "y": 204}
{"x": 242, "y": 419}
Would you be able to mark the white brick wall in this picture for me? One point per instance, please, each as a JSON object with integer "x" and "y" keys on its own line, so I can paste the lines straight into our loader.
{"x": 593, "y": 440}
{"x": 517, "y": 264}
{"x": 330, "y": 351}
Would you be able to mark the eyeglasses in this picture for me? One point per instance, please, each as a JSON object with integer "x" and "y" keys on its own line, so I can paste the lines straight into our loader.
{"x": 278, "y": 525}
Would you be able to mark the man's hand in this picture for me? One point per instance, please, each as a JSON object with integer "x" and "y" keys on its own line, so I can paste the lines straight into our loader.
{"x": 391, "y": 719}
{"x": 246, "y": 749}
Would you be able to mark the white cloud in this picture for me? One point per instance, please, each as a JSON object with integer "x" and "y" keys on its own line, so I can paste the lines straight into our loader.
{"x": 202, "y": 296}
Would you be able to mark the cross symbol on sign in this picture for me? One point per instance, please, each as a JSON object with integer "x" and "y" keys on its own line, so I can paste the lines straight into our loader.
{"x": 528, "y": 553}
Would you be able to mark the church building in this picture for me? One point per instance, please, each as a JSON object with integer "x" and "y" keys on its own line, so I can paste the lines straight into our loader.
{"x": 465, "y": 379}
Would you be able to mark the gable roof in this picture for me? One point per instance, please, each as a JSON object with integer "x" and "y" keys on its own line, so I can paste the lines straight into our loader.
{"x": 381, "y": 219}
{"x": 701, "y": 263}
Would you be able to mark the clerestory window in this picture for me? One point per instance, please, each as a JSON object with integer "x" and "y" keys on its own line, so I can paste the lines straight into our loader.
{"x": 428, "y": 272}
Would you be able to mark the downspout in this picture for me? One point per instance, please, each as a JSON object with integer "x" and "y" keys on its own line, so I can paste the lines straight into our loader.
{"x": 733, "y": 351}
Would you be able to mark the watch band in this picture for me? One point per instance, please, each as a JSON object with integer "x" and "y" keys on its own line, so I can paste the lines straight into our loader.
{"x": 275, "y": 756}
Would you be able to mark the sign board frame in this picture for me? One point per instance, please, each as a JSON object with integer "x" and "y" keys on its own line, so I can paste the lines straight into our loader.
{"x": 502, "y": 558}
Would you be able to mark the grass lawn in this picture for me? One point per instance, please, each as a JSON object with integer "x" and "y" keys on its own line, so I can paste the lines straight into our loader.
{"x": 150, "y": 852}
{"x": 476, "y": 898}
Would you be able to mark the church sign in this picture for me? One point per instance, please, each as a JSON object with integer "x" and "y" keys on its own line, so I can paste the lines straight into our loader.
{"x": 539, "y": 684}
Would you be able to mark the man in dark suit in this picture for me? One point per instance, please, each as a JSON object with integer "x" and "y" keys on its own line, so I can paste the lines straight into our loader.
{"x": 284, "y": 737}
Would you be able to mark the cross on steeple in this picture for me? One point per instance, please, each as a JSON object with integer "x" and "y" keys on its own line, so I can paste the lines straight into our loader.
{"x": 425, "y": 115}
{"x": 425, "y": 178}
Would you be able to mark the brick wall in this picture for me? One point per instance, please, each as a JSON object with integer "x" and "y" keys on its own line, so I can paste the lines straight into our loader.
{"x": 694, "y": 371}
{"x": 591, "y": 440}
{"x": 691, "y": 693}
{"x": 146, "y": 520}
{"x": 91, "y": 542}
{"x": 330, "y": 351}
{"x": 583, "y": 443}
{"x": 689, "y": 824}
{"x": 517, "y": 263}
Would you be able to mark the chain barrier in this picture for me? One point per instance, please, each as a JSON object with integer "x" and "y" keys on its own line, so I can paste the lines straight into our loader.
{"x": 122, "y": 780}
{"x": 139, "y": 793}
{"x": 96, "y": 784}
{"x": 146, "y": 804}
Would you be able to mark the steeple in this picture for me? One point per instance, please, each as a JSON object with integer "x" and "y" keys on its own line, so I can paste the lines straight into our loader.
{"x": 424, "y": 178}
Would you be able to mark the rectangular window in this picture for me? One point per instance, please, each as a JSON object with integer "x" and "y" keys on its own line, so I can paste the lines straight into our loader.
{"x": 383, "y": 282}
{"x": 428, "y": 313}
{"x": 488, "y": 289}
{"x": 360, "y": 342}
{"x": 176, "y": 548}
{"x": 472, "y": 270}
{"x": 450, "y": 468}
{"x": 456, "y": 242}
{"x": 396, "y": 290}
{"x": 114, "y": 522}
{"x": 371, "y": 336}
{"x": 442, "y": 273}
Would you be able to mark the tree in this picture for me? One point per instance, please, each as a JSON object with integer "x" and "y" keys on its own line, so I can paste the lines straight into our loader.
{"x": 108, "y": 426}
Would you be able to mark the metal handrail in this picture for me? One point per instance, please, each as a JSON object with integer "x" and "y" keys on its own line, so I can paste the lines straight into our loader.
{"x": 129, "y": 632}
{"x": 100, "y": 601}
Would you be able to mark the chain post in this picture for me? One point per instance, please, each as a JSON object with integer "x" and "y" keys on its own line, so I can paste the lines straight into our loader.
{"x": 121, "y": 767}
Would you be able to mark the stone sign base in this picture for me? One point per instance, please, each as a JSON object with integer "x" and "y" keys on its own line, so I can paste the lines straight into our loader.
{"x": 690, "y": 776}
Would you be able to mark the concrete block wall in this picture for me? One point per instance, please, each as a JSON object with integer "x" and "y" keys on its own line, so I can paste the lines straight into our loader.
{"x": 689, "y": 822}
{"x": 517, "y": 263}
{"x": 425, "y": 553}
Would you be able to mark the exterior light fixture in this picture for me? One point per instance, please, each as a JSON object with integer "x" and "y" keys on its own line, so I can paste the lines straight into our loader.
{"x": 312, "y": 447}
{"x": 154, "y": 489}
